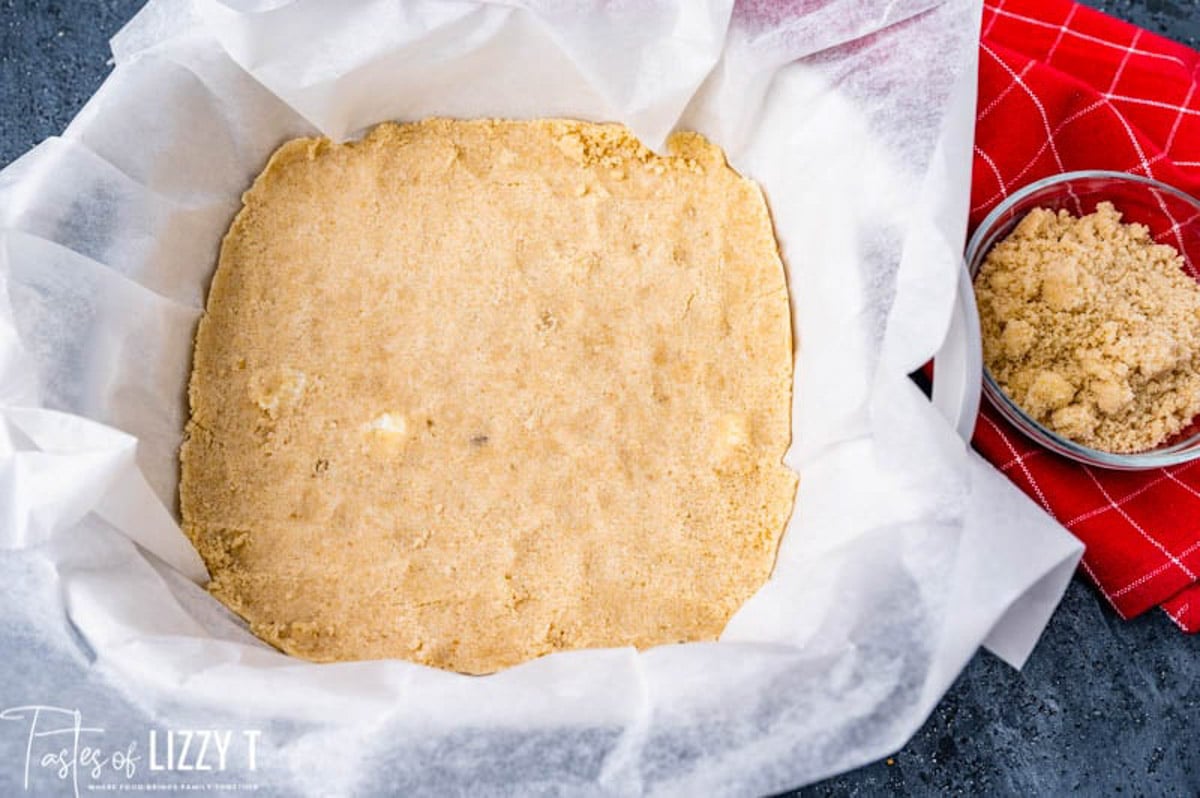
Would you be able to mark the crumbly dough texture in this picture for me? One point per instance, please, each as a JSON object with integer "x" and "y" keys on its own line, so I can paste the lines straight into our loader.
{"x": 1093, "y": 329}
{"x": 470, "y": 392}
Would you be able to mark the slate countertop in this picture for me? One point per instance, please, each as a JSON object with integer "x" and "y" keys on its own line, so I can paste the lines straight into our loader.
{"x": 1104, "y": 706}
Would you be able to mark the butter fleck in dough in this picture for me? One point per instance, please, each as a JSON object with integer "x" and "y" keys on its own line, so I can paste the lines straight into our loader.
{"x": 470, "y": 392}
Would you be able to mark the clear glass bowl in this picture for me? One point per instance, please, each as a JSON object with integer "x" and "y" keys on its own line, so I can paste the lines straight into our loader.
{"x": 1173, "y": 218}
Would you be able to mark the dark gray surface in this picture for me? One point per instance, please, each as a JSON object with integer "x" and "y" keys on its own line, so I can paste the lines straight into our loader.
{"x": 53, "y": 55}
{"x": 1103, "y": 706}
{"x": 1175, "y": 19}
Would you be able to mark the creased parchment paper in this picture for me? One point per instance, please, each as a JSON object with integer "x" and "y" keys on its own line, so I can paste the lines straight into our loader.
{"x": 905, "y": 554}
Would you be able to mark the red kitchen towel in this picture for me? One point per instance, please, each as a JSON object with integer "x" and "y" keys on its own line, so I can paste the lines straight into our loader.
{"x": 1063, "y": 87}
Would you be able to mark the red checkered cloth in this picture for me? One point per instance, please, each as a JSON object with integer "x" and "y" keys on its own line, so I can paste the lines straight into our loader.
{"x": 1063, "y": 87}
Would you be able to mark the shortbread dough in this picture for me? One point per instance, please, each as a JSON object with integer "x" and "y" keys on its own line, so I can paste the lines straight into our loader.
{"x": 471, "y": 392}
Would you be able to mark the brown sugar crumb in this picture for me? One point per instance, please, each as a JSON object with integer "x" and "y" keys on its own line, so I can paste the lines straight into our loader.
{"x": 1092, "y": 328}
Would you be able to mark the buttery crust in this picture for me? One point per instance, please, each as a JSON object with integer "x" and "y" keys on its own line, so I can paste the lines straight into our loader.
{"x": 470, "y": 392}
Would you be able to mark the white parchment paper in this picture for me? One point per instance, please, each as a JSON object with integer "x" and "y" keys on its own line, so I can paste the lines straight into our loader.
{"x": 905, "y": 554}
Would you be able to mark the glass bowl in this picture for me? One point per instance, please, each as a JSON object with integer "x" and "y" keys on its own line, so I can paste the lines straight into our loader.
{"x": 1172, "y": 216}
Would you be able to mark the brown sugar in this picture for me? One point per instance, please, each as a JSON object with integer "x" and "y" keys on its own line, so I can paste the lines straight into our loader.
{"x": 1092, "y": 328}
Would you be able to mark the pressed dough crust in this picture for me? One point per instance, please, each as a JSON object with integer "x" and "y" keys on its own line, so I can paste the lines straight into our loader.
{"x": 470, "y": 392}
